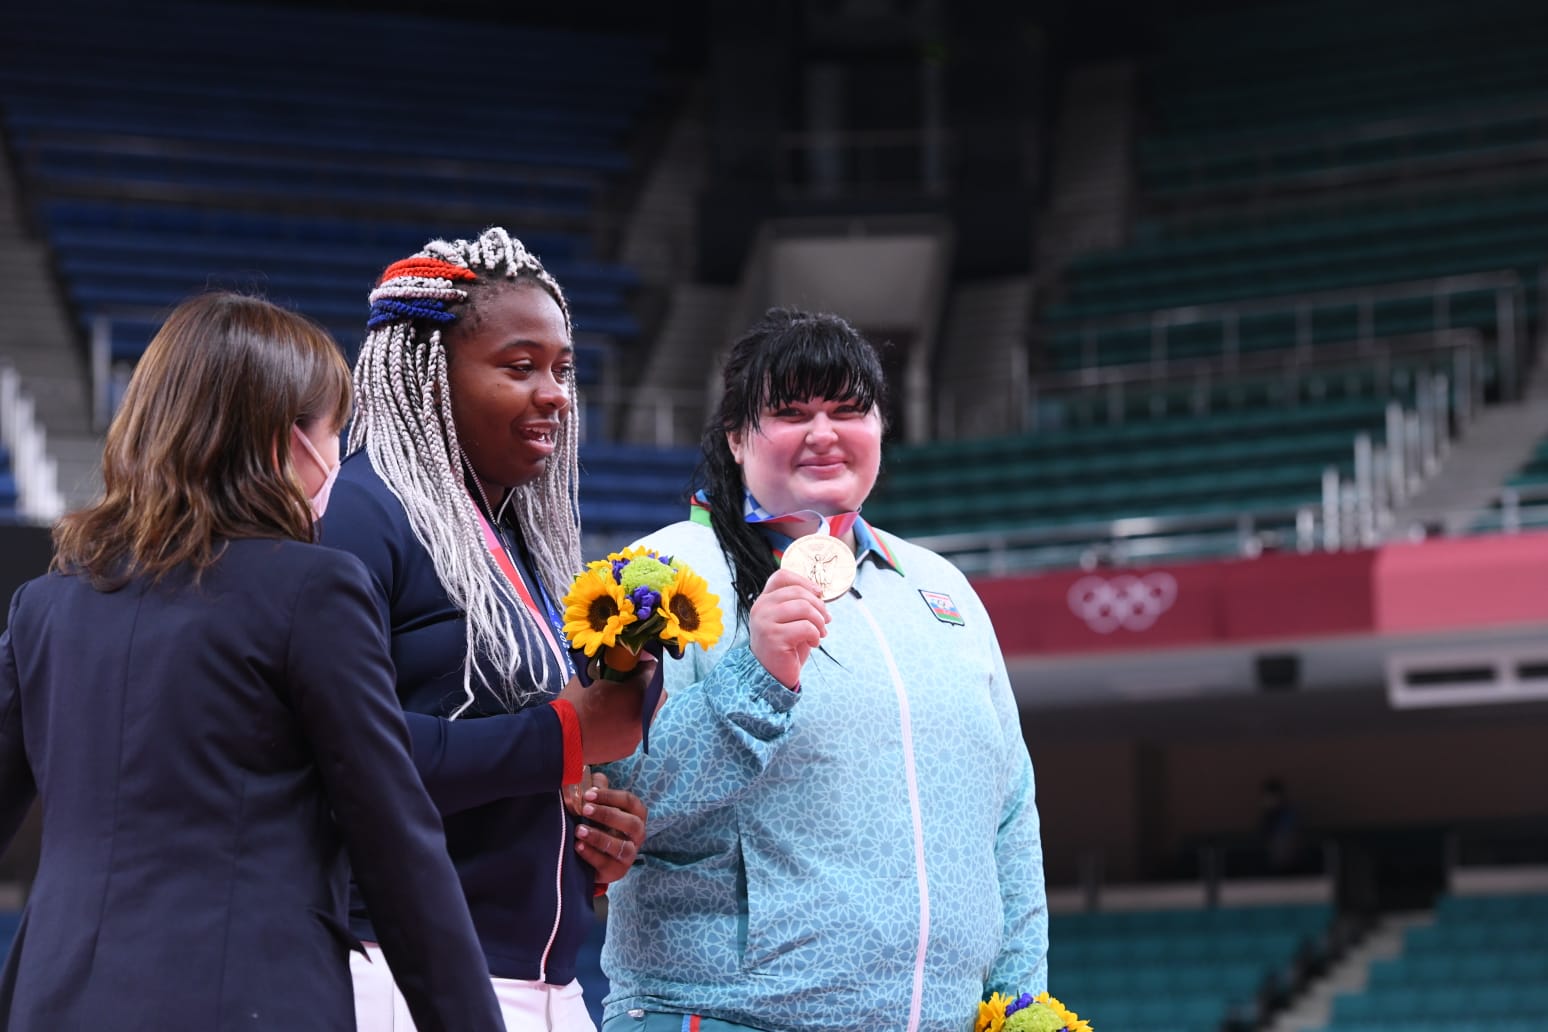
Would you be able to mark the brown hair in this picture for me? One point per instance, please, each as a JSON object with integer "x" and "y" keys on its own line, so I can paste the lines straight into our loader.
{"x": 200, "y": 448}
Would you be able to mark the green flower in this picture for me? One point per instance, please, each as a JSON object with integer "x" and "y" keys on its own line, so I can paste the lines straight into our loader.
{"x": 649, "y": 572}
{"x": 1035, "y": 1018}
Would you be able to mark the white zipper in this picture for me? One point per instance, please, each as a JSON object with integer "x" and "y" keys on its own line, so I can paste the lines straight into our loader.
{"x": 911, "y": 777}
{"x": 564, "y": 832}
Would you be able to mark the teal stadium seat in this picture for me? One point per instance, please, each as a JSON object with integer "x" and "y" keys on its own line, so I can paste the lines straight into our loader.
{"x": 1482, "y": 964}
{"x": 1282, "y": 94}
{"x": 1264, "y": 459}
{"x": 1385, "y": 242}
{"x": 1176, "y": 969}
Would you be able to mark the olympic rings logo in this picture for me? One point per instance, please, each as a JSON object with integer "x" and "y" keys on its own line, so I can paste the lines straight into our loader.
{"x": 1126, "y": 601}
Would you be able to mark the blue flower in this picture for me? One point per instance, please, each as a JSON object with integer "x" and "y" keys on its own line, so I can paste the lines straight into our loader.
{"x": 645, "y": 601}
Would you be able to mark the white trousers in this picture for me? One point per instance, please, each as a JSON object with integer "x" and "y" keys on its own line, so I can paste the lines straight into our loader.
{"x": 527, "y": 1006}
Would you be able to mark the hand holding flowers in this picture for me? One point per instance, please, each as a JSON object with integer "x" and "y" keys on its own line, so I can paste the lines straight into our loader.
{"x": 638, "y": 601}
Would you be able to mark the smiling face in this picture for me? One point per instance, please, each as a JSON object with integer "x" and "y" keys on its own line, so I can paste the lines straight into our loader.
{"x": 818, "y": 454}
{"x": 510, "y": 364}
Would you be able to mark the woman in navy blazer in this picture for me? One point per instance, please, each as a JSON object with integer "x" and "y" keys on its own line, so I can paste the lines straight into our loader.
{"x": 202, "y": 699}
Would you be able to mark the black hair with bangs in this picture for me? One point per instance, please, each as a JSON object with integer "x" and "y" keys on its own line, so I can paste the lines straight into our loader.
{"x": 792, "y": 356}
{"x": 789, "y": 356}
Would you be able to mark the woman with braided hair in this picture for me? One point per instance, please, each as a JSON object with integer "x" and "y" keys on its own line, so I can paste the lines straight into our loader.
{"x": 460, "y": 497}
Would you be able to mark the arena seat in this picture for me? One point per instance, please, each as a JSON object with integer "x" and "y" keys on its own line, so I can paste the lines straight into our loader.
{"x": 185, "y": 163}
{"x": 628, "y": 490}
{"x": 1483, "y": 960}
{"x": 1531, "y": 477}
{"x": 1535, "y": 472}
{"x": 1326, "y": 90}
{"x": 1250, "y": 259}
{"x": 1189, "y": 969}
{"x": 1229, "y": 461}
{"x": 8, "y": 495}
{"x": 1247, "y": 283}
{"x": 1177, "y": 262}
{"x": 1296, "y": 106}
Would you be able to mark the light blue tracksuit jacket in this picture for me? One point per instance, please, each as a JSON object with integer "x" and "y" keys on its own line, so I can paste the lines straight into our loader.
{"x": 863, "y": 854}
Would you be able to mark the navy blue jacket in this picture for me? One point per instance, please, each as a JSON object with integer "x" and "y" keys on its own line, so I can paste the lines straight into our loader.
{"x": 496, "y": 775}
{"x": 204, "y": 754}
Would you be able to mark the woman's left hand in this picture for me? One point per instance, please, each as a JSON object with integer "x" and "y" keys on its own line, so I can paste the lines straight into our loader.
{"x": 616, "y": 832}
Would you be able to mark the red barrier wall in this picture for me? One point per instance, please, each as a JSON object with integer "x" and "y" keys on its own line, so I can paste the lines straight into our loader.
{"x": 1448, "y": 584}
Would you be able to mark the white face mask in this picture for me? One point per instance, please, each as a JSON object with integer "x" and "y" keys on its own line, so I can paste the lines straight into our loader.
{"x": 330, "y": 474}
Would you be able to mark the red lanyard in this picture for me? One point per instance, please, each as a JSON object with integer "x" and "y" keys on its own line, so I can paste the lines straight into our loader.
{"x": 503, "y": 560}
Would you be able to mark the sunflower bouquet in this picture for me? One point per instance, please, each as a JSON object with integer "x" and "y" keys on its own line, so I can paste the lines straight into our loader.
{"x": 637, "y": 600}
{"x": 1027, "y": 1013}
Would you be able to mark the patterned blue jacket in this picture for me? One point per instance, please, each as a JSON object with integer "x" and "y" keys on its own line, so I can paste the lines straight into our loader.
{"x": 862, "y": 854}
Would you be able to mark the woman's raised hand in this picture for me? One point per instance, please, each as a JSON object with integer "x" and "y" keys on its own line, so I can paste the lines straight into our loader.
{"x": 785, "y": 624}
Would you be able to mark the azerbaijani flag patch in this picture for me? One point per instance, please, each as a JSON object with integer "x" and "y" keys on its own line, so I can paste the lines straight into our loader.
{"x": 943, "y": 607}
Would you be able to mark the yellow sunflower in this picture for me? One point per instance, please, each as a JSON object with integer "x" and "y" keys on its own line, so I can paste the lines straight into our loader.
{"x": 596, "y": 611}
{"x": 692, "y": 614}
{"x": 631, "y": 553}
{"x": 1072, "y": 1022}
{"x": 991, "y": 1014}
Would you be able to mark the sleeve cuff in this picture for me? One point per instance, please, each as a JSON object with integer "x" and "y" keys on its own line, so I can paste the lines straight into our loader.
{"x": 574, "y": 755}
{"x": 763, "y": 684}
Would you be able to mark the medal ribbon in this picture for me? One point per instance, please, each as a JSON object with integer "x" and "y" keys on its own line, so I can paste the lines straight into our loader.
{"x": 800, "y": 523}
{"x": 503, "y": 561}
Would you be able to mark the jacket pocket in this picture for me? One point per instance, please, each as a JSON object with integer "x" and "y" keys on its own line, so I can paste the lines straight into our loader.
{"x": 339, "y": 930}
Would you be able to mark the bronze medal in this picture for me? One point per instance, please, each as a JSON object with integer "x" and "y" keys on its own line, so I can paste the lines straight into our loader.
{"x": 825, "y": 561}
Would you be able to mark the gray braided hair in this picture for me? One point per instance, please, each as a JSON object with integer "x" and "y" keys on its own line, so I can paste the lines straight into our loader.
{"x": 403, "y": 419}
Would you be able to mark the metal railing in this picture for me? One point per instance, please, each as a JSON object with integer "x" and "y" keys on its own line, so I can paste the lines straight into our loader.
{"x": 1509, "y": 313}
{"x": 1520, "y": 508}
{"x": 1449, "y": 365}
{"x": 1126, "y": 541}
{"x": 1509, "y": 510}
{"x": 1266, "y": 148}
{"x": 1358, "y": 511}
{"x": 109, "y": 377}
{"x": 37, "y": 477}
{"x": 1354, "y": 512}
{"x": 1106, "y": 390}
{"x": 1031, "y": 395}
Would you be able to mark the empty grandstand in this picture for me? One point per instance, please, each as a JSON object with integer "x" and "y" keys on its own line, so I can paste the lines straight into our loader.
{"x": 1215, "y": 336}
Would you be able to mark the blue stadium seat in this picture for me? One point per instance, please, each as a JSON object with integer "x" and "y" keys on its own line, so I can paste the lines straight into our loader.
{"x": 628, "y": 490}
{"x": 185, "y": 163}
